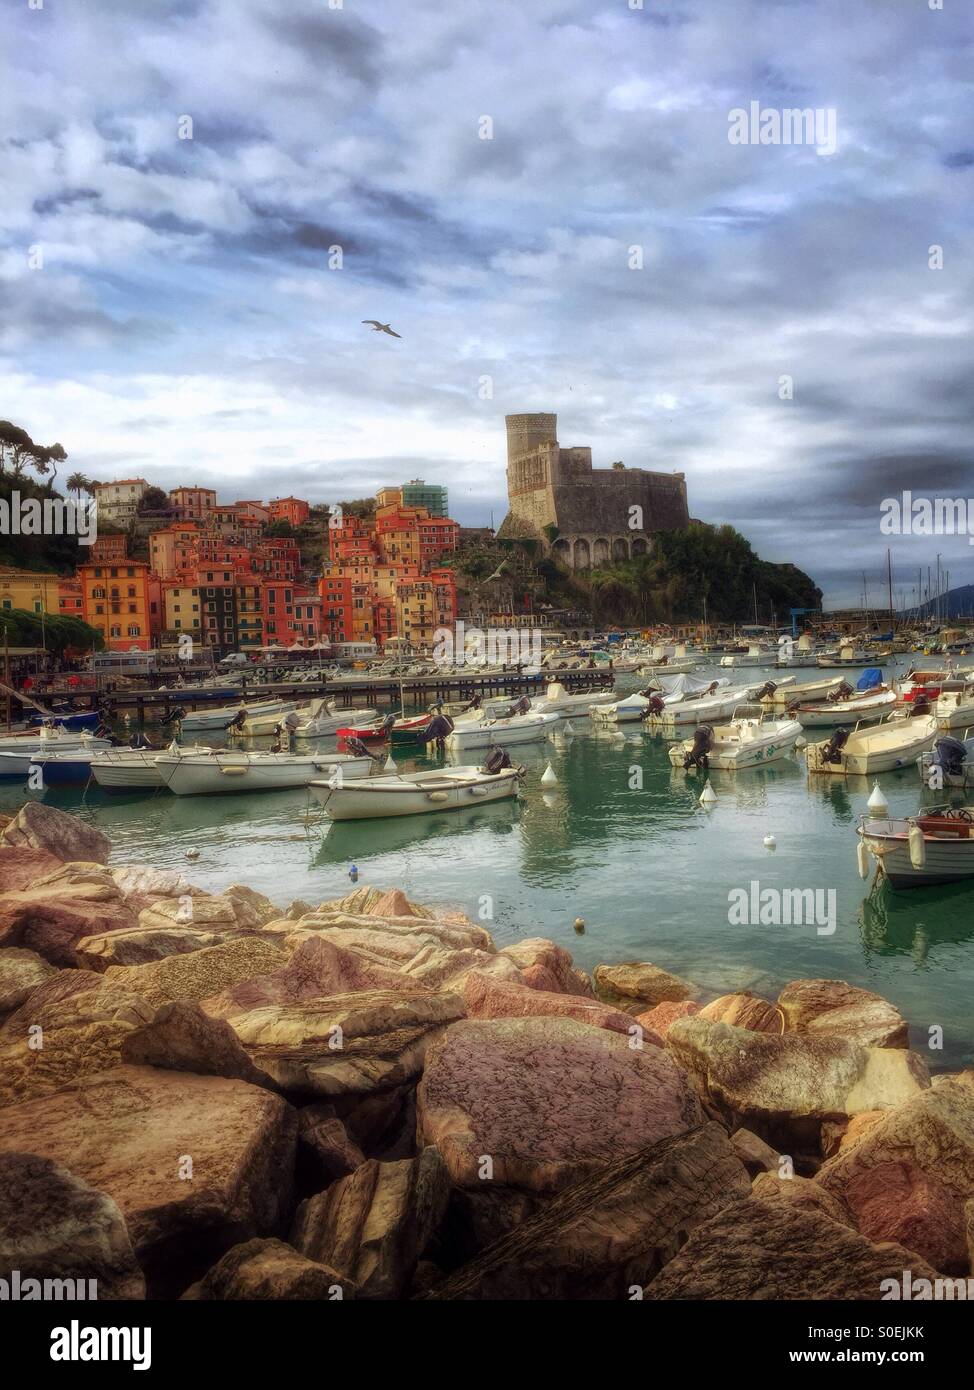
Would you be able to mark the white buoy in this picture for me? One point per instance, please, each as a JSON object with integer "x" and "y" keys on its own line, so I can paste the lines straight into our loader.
{"x": 389, "y": 765}
{"x": 877, "y": 803}
{"x": 862, "y": 855}
{"x": 192, "y": 854}
{"x": 918, "y": 848}
{"x": 770, "y": 842}
{"x": 708, "y": 797}
{"x": 549, "y": 777}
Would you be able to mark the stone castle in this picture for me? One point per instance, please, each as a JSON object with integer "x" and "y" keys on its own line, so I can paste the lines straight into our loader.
{"x": 601, "y": 515}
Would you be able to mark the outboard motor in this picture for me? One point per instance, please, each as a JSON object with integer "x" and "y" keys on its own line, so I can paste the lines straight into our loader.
{"x": 703, "y": 742}
{"x": 440, "y": 727}
{"x": 832, "y": 752}
{"x": 841, "y": 692}
{"x": 519, "y": 707}
{"x": 175, "y": 716}
{"x": 237, "y": 722}
{"x": 139, "y": 740}
{"x": 654, "y": 709}
{"x": 766, "y": 691}
{"x": 356, "y": 747}
{"x": 387, "y": 724}
{"x": 497, "y": 759}
{"x": 949, "y": 754}
{"x": 921, "y": 705}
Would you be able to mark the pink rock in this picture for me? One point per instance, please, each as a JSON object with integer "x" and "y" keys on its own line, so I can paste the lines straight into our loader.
{"x": 491, "y": 998}
{"x": 545, "y": 965}
{"x": 657, "y": 1020}
{"x": 898, "y": 1201}
{"x": 21, "y": 865}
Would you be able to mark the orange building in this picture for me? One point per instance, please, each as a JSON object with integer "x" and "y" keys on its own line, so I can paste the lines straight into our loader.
{"x": 115, "y": 600}
{"x": 109, "y": 549}
{"x": 173, "y": 550}
{"x": 291, "y": 509}
{"x": 69, "y": 599}
{"x": 193, "y": 502}
{"x": 336, "y": 607}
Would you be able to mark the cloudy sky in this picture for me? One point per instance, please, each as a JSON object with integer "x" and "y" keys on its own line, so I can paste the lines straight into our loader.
{"x": 167, "y": 306}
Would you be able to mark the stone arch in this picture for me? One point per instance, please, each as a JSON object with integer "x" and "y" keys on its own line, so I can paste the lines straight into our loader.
{"x": 620, "y": 549}
{"x": 581, "y": 555}
{"x": 600, "y": 552}
{"x": 639, "y": 547}
{"x": 562, "y": 549}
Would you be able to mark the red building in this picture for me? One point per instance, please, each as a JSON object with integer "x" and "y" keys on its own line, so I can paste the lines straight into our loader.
{"x": 291, "y": 509}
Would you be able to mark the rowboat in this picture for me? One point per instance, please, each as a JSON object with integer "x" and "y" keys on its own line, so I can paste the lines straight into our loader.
{"x": 219, "y": 718}
{"x": 67, "y": 719}
{"x": 882, "y": 748}
{"x": 236, "y": 771}
{"x": 921, "y": 686}
{"x": 136, "y": 769}
{"x": 49, "y": 737}
{"x": 753, "y": 738}
{"x": 37, "y": 751}
{"x": 493, "y": 733}
{"x": 955, "y": 705}
{"x": 446, "y": 789}
{"x": 322, "y": 717}
{"x": 935, "y": 846}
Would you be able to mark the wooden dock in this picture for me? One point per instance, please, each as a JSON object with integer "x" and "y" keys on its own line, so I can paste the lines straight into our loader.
{"x": 347, "y": 692}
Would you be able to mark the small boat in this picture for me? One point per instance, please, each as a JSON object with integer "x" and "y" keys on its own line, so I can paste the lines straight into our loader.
{"x": 920, "y": 687}
{"x": 322, "y": 717}
{"x": 786, "y": 694}
{"x": 934, "y": 846}
{"x": 558, "y": 700}
{"x": 656, "y": 698}
{"x": 41, "y": 751}
{"x": 419, "y": 793}
{"x": 881, "y": 748}
{"x": 754, "y": 656}
{"x": 49, "y": 736}
{"x": 67, "y": 719}
{"x": 136, "y": 769}
{"x": 846, "y": 656}
{"x": 954, "y": 708}
{"x": 372, "y": 735}
{"x": 950, "y": 763}
{"x": 753, "y": 738}
{"x": 869, "y": 702}
{"x": 215, "y": 773}
{"x": 706, "y": 709}
{"x": 491, "y": 733}
{"x": 220, "y": 718}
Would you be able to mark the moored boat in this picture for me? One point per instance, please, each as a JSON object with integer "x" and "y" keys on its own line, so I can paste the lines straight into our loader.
{"x": 192, "y": 720}
{"x": 954, "y": 708}
{"x": 492, "y": 733}
{"x": 753, "y": 738}
{"x": 35, "y": 752}
{"x": 219, "y": 772}
{"x": 878, "y": 748}
{"x": 869, "y": 702}
{"x": 934, "y": 846}
{"x": 420, "y": 793}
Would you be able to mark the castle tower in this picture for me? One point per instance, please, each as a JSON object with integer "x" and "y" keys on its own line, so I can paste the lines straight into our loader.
{"x": 526, "y": 432}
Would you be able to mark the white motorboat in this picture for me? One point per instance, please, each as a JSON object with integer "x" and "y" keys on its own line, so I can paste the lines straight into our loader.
{"x": 846, "y": 656}
{"x": 222, "y": 771}
{"x": 706, "y": 709}
{"x": 136, "y": 769}
{"x": 658, "y": 696}
{"x": 753, "y": 738}
{"x": 413, "y": 794}
{"x": 785, "y": 694}
{"x": 754, "y": 656}
{"x": 48, "y": 738}
{"x": 17, "y": 762}
{"x": 558, "y": 700}
{"x": 194, "y": 720}
{"x": 323, "y": 717}
{"x": 955, "y": 705}
{"x": 867, "y": 707}
{"x": 934, "y": 846}
{"x": 494, "y": 733}
{"x": 880, "y": 748}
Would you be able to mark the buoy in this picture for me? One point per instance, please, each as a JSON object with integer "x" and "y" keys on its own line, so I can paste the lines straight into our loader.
{"x": 770, "y": 842}
{"x": 192, "y": 854}
{"x": 579, "y": 925}
{"x": 389, "y": 765}
{"x": 708, "y": 797}
{"x": 877, "y": 803}
{"x": 918, "y": 849}
{"x": 548, "y": 777}
{"x": 862, "y": 855}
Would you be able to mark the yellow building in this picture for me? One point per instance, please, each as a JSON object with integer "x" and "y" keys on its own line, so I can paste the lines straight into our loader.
{"x": 416, "y": 612}
{"x": 182, "y": 609}
{"x": 28, "y": 591}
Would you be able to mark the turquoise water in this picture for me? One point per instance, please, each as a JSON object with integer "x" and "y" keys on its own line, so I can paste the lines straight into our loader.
{"x": 647, "y": 869}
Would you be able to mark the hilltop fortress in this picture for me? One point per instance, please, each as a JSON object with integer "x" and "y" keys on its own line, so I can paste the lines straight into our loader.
{"x": 601, "y": 515}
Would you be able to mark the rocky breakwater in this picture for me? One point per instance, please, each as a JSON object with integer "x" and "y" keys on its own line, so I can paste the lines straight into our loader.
{"x": 212, "y": 1096}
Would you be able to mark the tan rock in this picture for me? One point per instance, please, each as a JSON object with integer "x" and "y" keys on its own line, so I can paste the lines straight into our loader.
{"x": 21, "y": 866}
{"x": 260, "y": 1270}
{"x": 546, "y": 966}
{"x": 54, "y": 1226}
{"x": 181, "y": 1037}
{"x": 20, "y": 973}
{"x": 754, "y": 1153}
{"x": 140, "y": 945}
{"x": 326, "y": 1151}
{"x": 375, "y": 1225}
{"x": 199, "y": 974}
{"x": 193, "y": 1162}
{"x": 745, "y": 1010}
{"x": 487, "y": 997}
{"x": 801, "y": 1192}
{"x": 834, "y": 1008}
{"x": 57, "y": 910}
{"x": 638, "y": 985}
{"x": 659, "y": 1018}
{"x": 39, "y": 826}
{"x": 781, "y": 1251}
{"x": 546, "y": 1100}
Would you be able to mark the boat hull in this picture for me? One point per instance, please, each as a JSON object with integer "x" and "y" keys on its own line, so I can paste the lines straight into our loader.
{"x": 945, "y": 861}
{"x": 19, "y": 763}
{"x": 867, "y": 753}
{"x": 221, "y": 775}
{"x": 502, "y": 733}
{"x": 381, "y": 798}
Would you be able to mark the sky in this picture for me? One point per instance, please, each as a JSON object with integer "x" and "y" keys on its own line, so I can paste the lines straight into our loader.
{"x": 177, "y": 177}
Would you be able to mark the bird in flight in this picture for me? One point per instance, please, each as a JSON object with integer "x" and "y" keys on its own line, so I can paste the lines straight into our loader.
{"x": 378, "y": 327}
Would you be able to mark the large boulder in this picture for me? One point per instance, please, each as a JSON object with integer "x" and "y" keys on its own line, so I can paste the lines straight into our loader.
{"x": 488, "y": 997}
{"x": 346, "y": 1044}
{"x": 909, "y": 1174}
{"x": 375, "y": 1225}
{"x": 181, "y": 1037}
{"x": 270, "y": 1269}
{"x": 139, "y": 945}
{"x": 196, "y": 1164}
{"x": 199, "y": 974}
{"x": 21, "y": 866}
{"x": 53, "y": 1225}
{"x": 39, "y": 826}
{"x": 779, "y": 1250}
{"x": 745, "y": 1011}
{"x": 20, "y": 972}
{"x": 537, "y": 1103}
{"x": 784, "y": 1088}
{"x": 832, "y": 1008}
{"x": 546, "y": 966}
{"x": 637, "y": 985}
{"x": 57, "y": 910}
{"x": 611, "y": 1230}
{"x": 803, "y": 1193}
{"x": 659, "y": 1018}
{"x": 315, "y": 969}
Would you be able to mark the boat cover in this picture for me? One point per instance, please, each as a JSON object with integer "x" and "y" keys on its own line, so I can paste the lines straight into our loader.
{"x": 872, "y": 676}
{"x": 688, "y": 685}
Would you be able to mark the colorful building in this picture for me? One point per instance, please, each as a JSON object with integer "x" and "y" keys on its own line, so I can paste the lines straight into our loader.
{"x": 193, "y": 503}
{"x": 291, "y": 509}
{"x": 115, "y": 600}
{"x": 118, "y": 502}
{"x": 29, "y": 591}
{"x": 427, "y": 495}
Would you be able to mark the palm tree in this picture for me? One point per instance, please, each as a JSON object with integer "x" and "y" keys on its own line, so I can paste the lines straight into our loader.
{"x": 77, "y": 483}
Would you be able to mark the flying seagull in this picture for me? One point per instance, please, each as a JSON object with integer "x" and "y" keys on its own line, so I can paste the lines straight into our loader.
{"x": 378, "y": 327}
